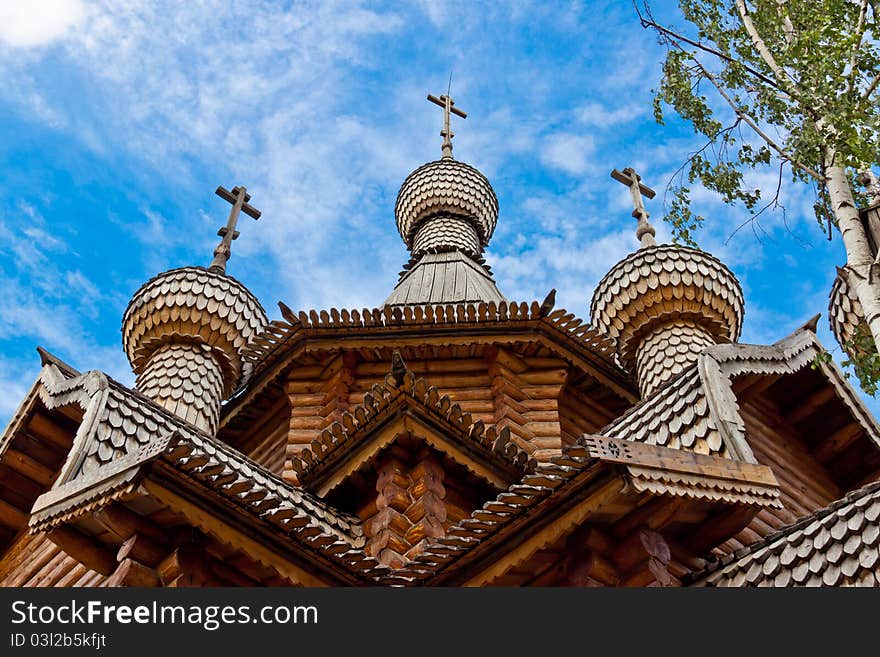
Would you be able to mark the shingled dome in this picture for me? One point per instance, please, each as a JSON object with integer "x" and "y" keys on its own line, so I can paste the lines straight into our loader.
{"x": 665, "y": 304}
{"x": 449, "y": 187}
{"x": 184, "y": 332}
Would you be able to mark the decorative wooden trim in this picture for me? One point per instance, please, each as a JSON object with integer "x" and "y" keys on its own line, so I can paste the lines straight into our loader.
{"x": 614, "y": 450}
{"x": 724, "y": 408}
{"x": 227, "y": 533}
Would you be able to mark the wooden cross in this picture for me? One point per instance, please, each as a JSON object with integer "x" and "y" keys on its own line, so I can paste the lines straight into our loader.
{"x": 446, "y": 102}
{"x": 645, "y": 231}
{"x": 239, "y": 198}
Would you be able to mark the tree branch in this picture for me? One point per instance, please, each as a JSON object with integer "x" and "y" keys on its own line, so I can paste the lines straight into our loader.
{"x": 754, "y": 126}
{"x": 850, "y": 83}
{"x": 786, "y": 23}
{"x": 783, "y": 78}
{"x": 649, "y": 22}
{"x": 872, "y": 87}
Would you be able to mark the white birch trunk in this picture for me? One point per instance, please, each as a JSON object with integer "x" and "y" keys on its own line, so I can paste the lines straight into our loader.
{"x": 863, "y": 275}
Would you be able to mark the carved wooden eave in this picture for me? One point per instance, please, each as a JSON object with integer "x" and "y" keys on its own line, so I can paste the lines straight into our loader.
{"x": 853, "y": 448}
{"x": 218, "y": 490}
{"x": 410, "y": 406}
{"x": 699, "y": 409}
{"x": 33, "y": 448}
{"x": 284, "y": 342}
{"x": 838, "y": 545}
{"x": 598, "y": 480}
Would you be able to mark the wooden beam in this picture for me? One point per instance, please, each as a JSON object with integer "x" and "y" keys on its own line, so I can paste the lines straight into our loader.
{"x": 84, "y": 549}
{"x": 806, "y": 407}
{"x": 141, "y": 549}
{"x": 837, "y": 441}
{"x": 220, "y": 529}
{"x": 28, "y": 466}
{"x": 131, "y": 573}
{"x": 631, "y": 453}
{"x": 655, "y": 514}
{"x": 11, "y": 516}
{"x": 45, "y": 427}
{"x": 718, "y": 529}
{"x": 125, "y": 523}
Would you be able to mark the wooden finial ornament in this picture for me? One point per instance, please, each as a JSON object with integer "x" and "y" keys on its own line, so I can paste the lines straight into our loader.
{"x": 645, "y": 231}
{"x": 398, "y": 367}
{"x": 549, "y": 302}
{"x": 239, "y": 198}
{"x": 448, "y": 105}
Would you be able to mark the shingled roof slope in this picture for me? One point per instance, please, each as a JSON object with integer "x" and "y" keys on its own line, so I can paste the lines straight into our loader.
{"x": 121, "y": 425}
{"x": 698, "y": 409}
{"x": 838, "y": 545}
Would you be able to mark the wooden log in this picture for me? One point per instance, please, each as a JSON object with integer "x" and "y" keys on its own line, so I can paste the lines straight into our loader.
{"x": 44, "y": 552}
{"x": 29, "y": 467}
{"x": 717, "y": 529}
{"x": 141, "y": 549}
{"x": 654, "y": 514}
{"x": 131, "y": 573}
{"x": 47, "y": 428}
{"x": 84, "y": 549}
{"x": 588, "y": 568}
{"x": 38, "y": 577}
{"x": 72, "y": 575}
{"x": 125, "y": 523}
{"x": 651, "y": 571}
{"x": 640, "y": 544}
{"x": 837, "y": 441}
{"x": 53, "y": 571}
{"x": 812, "y": 404}
{"x": 11, "y": 516}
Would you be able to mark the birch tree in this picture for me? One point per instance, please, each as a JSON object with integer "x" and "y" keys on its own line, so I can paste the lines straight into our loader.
{"x": 791, "y": 84}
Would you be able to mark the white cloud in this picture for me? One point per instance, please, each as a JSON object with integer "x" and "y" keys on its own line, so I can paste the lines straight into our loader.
{"x": 603, "y": 116}
{"x": 568, "y": 152}
{"x": 26, "y": 23}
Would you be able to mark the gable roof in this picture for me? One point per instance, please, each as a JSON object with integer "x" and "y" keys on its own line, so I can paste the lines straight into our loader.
{"x": 490, "y": 450}
{"x": 699, "y": 410}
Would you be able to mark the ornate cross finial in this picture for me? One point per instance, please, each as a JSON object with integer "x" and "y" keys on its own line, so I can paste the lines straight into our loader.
{"x": 239, "y": 199}
{"x": 645, "y": 231}
{"x": 446, "y": 102}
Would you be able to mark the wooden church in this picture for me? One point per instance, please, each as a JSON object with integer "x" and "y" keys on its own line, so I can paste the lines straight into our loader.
{"x": 449, "y": 437}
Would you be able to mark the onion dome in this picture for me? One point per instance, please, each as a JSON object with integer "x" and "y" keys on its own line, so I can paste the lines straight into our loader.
{"x": 442, "y": 189}
{"x": 184, "y": 332}
{"x": 664, "y": 304}
{"x": 446, "y": 212}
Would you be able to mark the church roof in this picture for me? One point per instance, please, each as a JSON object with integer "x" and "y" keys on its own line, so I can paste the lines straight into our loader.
{"x": 446, "y": 277}
{"x": 493, "y": 452}
{"x": 530, "y": 437}
{"x": 837, "y": 545}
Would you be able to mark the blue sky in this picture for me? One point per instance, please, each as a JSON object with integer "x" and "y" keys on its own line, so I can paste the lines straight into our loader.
{"x": 120, "y": 119}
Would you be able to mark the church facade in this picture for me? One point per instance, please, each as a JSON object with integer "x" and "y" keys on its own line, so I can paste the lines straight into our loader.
{"x": 449, "y": 437}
